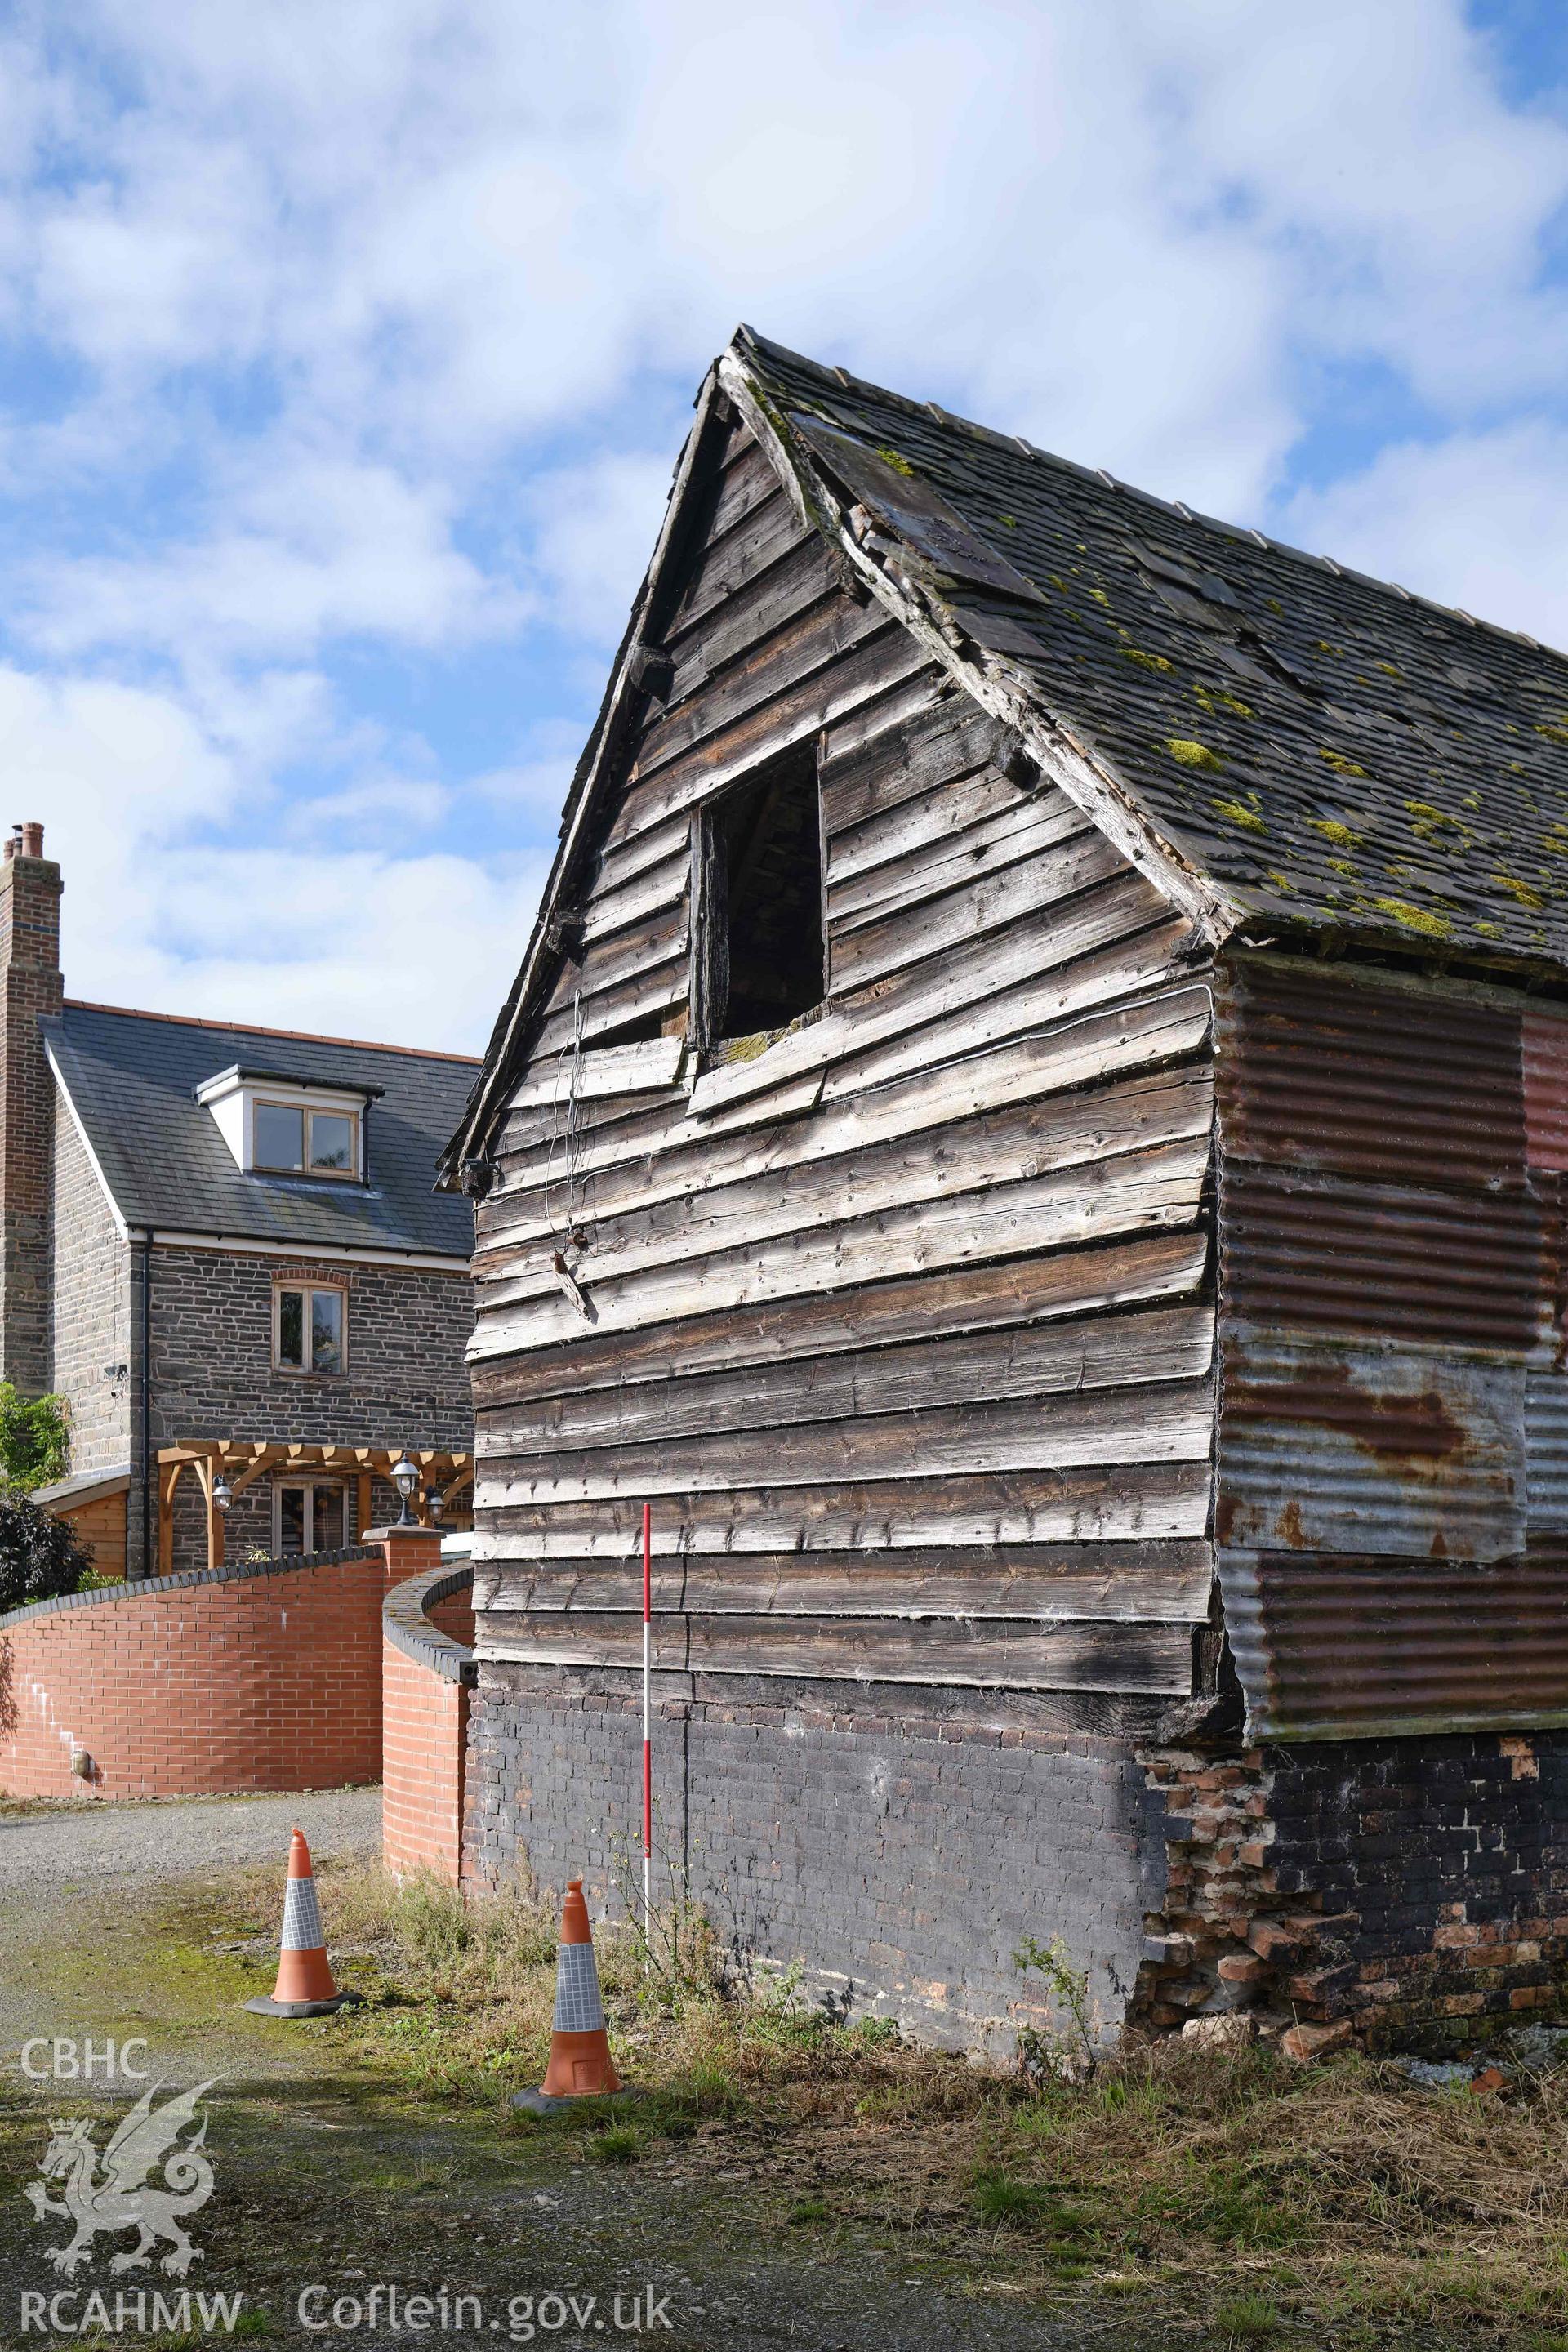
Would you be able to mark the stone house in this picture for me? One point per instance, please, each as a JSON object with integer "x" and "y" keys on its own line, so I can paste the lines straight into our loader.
{"x": 220, "y": 1245}
{"x": 1031, "y": 1131}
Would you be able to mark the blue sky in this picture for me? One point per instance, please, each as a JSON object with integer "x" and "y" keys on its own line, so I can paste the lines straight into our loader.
{"x": 346, "y": 352}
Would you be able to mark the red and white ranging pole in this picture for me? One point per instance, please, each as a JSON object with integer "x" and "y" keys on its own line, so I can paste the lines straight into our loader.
{"x": 648, "y": 1730}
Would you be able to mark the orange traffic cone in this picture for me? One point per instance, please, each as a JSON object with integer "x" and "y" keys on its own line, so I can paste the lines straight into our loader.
{"x": 304, "y": 1986}
{"x": 580, "y": 2065}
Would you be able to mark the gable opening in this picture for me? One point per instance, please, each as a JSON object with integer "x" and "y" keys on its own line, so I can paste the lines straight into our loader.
{"x": 760, "y": 903}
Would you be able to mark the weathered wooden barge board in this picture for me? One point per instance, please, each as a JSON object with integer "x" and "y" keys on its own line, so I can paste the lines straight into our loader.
{"x": 905, "y": 1320}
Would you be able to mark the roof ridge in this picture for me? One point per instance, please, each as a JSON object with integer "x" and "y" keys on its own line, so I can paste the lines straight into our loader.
{"x": 259, "y": 1029}
{"x": 929, "y": 409}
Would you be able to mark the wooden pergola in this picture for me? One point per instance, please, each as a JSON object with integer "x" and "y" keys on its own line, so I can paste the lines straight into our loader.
{"x": 240, "y": 1461}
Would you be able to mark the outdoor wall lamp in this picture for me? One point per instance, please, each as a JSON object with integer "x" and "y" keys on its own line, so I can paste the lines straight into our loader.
{"x": 406, "y": 1477}
{"x": 223, "y": 1495}
{"x": 433, "y": 1505}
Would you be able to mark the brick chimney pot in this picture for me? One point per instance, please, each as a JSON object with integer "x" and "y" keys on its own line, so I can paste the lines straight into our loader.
{"x": 30, "y": 991}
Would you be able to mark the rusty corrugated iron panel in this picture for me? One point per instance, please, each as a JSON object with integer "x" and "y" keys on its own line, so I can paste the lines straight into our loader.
{"x": 1372, "y": 1174}
{"x": 1383, "y": 1451}
{"x": 1322, "y": 1069}
{"x": 1351, "y": 1648}
{"x": 1546, "y": 1453}
{"x": 1388, "y": 1269}
{"x": 1312, "y": 1253}
{"x": 1545, "y": 1059}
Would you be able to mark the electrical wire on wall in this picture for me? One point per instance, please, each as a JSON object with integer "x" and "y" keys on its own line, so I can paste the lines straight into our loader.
{"x": 570, "y": 1235}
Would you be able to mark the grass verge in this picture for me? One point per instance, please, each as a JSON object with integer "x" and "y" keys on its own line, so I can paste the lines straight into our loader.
{"x": 1240, "y": 2200}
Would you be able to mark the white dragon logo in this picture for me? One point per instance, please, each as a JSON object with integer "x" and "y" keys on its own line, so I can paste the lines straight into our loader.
{"x": 122, "y": 2198}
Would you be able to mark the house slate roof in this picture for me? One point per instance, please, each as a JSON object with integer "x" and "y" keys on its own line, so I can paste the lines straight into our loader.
{"x": 1317, "y": 750}
{"x": 131, "y": 1078}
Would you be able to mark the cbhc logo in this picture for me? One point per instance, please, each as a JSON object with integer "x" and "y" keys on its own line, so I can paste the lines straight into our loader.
{"x": 83, "y": 2062}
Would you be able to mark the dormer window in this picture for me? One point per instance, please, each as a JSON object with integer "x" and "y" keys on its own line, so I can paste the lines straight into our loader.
{"x": 277, "y": 1125}
{"x": 287, "y": 1139}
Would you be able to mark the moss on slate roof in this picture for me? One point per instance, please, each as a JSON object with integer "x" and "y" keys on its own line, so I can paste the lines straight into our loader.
{"x": 1325, "y": 748}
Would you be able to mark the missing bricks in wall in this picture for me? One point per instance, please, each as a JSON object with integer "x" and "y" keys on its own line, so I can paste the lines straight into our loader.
{"x": 1384, "y": 1893}
{"x": 1230, "y": 1944}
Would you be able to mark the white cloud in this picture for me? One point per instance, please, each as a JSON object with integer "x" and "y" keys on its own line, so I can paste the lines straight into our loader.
{"x": 320, "y": 549}
{"x": 1474, "y": 520}
{"x": 370, "y": 943}
{"x": 594, "y": 528}
{"x": 164, "y": 907}
{"x": 362, "y": 332}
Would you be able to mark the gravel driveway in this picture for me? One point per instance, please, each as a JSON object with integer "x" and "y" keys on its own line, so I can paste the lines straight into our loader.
{"x": 326, "y": 2173}
{"x": 46, "y": 1853}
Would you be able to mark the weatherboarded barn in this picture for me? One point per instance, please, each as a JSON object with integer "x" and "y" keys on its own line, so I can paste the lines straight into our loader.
{"x": 1030, "y": 1131}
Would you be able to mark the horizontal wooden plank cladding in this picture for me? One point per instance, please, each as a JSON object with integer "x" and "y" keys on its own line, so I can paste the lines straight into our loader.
{"x": 650, "y": 892}
{"x": 1033, "y": 1099}
{"x": 904, "y": 1324}
{"x": 968, "y": 910}
{"x": 1360, "y": 1646}
{"x": 1059, "y": 964}
{"x": 862, "y": 858}
{"x": 971, "y": 1298}
{"x": 972, "y": 848}
{"x": 1153, "y": 1581}
{"x": 659, "y": 939}
{"x": 644, "y": 995}
{"x": 992, "y": 1652}
{"x": 769, "y": 601}
{"x": 749, "y": 480}
{"x": 805, "y": 644}
{"x": 652, "y": 1067}
{"x": 1038, "y": 1360}
{"x": 873, "y": 667}
{"x": 1157, "y": 1423}
{"x": 752, "y": 545}
{"x": 985, "y": 1156}
{"x": 1136, "y": 1191}
{"x": 868, "y": 783}
{"x": 1128, "y": 1503}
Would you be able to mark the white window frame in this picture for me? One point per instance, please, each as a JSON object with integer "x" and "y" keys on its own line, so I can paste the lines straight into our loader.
{"x": 307, "y": 1372}
{"x": 309, "y": 1485}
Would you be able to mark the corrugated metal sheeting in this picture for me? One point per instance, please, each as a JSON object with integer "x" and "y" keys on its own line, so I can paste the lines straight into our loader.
{"x": 1392, "y": 1504}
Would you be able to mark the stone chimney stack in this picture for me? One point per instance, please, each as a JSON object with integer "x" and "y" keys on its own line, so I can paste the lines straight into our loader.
{"x": 31, "y": 989}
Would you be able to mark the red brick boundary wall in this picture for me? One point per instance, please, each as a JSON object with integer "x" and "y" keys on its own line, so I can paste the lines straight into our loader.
{"x": 428, "y": 1671}
{"x": 243, "y": 1677}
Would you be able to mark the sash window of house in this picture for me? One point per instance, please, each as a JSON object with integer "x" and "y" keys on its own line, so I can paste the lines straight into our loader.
{"x": 309, "y": 1328}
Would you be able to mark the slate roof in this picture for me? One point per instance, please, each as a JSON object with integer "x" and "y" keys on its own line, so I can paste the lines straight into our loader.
{"x": 1323, "y": 746}
{"x": 1315, "y": 750}
{"x": 131, "y": 1078}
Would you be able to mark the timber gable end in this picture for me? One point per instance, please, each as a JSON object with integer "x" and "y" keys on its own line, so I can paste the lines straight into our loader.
{"x": 902, "y": 1316}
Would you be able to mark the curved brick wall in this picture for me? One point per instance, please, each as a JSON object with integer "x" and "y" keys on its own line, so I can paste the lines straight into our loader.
{"x": 428, "y": 1669}
{"x": 230, "y": 1678}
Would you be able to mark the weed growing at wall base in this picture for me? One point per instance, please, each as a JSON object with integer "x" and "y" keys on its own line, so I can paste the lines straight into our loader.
{"x": 1202, "y": 2191}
